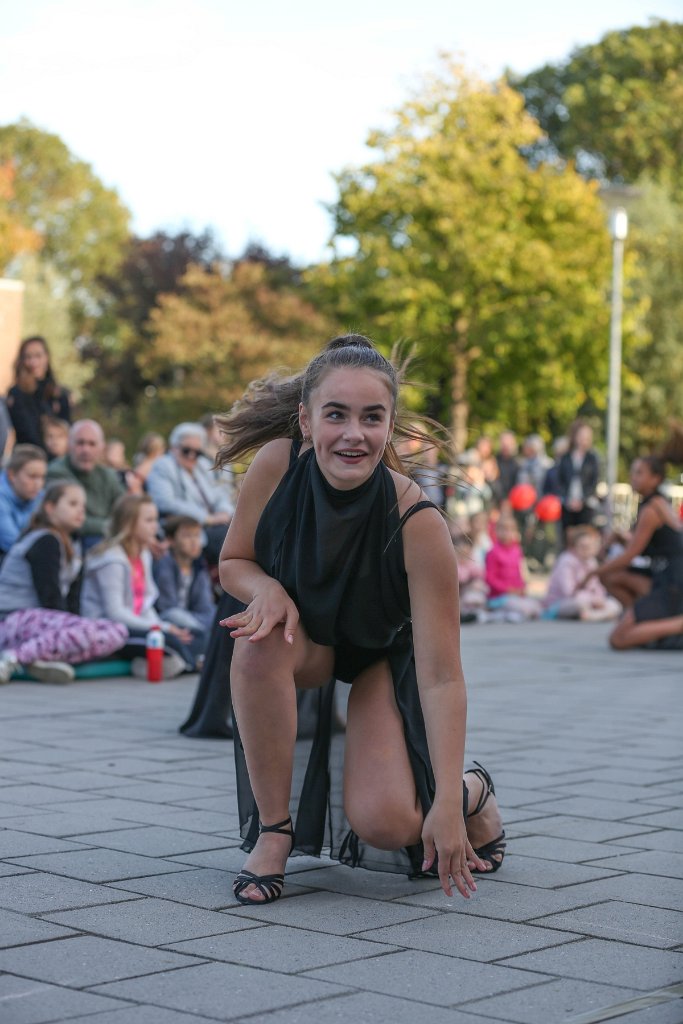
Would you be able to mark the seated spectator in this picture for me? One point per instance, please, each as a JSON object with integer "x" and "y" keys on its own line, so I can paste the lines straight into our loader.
{"x": 151, "y": 447}
{"x": 35, "y": 393}
{"x": 507, "y": 589}
{"x": 572, "y": 592}
{"x": 185, "y": 593}
{"x": 82, "y": 464}
{"x": 118, "y": 583}
{"x": 56, "y": 434}
{"x": 39, "y": 584}
{"x": 471, "y": 581}
{"x": 21, "y": 486}
{"x": 480, "y": 530}
{"x": 214, "y": 439}
{"x": 181, "y": 486}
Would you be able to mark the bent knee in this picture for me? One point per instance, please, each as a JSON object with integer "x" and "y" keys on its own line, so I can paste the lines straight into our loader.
{"x": 385, "y": 827}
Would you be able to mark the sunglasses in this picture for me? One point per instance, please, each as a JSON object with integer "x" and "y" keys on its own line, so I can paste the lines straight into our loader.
{"x": 190, "y": 453}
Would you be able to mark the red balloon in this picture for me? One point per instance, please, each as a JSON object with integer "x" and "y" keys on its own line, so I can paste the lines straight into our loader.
{"x": 522, "y": 497}
{"x": 549, "y": 509}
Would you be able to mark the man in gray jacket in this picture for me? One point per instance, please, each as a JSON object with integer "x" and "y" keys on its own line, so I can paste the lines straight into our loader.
{"x": 181, "y": 484}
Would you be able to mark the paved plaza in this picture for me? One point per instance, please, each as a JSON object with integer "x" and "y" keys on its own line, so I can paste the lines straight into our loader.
{"x": 119, "y": 841}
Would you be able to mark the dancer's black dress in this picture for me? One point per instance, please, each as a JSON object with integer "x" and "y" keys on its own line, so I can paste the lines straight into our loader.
{"x": 339, "y": 555}
{"x": 665, "y": 599}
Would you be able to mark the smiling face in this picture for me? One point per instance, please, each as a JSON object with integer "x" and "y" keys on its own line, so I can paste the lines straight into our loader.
{"x": 68, "y": 512}
{"x": 349, "y": 420}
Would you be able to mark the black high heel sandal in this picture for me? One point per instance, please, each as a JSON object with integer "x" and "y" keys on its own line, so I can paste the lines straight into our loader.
{"x": 270, "y": 886}
{"x": 496, "y": 847}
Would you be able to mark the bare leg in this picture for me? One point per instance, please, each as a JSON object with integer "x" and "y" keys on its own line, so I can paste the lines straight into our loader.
{"x": 263, "y": 678}
{"x": 380, "y": 798}
{"x": 627, "y": 586}
{"x": 629, "y": 633}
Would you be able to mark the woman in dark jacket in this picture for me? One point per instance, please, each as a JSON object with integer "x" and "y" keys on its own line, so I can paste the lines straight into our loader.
{"x": 578, "y": 474}
{"x": 35, "y": 393}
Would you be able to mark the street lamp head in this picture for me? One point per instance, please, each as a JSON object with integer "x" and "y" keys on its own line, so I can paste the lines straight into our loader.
{"x": 618, "y": 224}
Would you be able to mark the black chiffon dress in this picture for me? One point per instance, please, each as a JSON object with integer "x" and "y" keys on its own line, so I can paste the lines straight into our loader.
{"x": 339, "y": 555}
{"x": 665, "y": 599}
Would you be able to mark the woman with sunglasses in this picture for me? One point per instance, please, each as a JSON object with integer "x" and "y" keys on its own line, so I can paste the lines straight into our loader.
{"x": 181, "y": 484}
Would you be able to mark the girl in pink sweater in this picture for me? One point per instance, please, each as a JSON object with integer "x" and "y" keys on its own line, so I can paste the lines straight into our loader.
{"x": 507, "y": 589}
{"x": 570, "y": 595}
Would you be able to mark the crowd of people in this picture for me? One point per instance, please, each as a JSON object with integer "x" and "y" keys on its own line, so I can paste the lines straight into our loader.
{"x": 96, "y": 549}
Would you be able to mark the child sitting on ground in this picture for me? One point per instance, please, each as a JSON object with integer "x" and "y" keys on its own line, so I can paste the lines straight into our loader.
{"x": 21, "y": 486}
{"x": 39, "y": 588}
{"x": 566, "y": 597}
{"x": 56, "y": 437}
{"x": 185, "y": 594}
{"x": 472, "y": 585}
{"x": 507, "y": 589}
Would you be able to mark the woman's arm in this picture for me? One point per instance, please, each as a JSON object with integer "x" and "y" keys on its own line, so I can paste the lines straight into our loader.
{"x": 433, "y": 584}
{"x": 44, "y": 559}
{"x": 648, "y": 521}
{"x": 268, "y": 603}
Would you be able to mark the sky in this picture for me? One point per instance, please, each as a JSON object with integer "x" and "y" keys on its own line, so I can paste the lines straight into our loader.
{"x": 236, "y": 116}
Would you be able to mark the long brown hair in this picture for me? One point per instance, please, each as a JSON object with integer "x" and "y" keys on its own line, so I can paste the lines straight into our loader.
{"x": 269, "y": 409}
{"x": 124, "y": 518}
{"x": 40, "y": 520}
{"x": 24, "y": 380}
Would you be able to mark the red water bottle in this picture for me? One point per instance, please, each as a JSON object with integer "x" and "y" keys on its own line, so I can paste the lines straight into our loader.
{"x": 154, "y": 647}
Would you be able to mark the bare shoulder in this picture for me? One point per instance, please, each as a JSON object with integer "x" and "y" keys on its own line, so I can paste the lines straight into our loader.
{"x": 267, "y": 468}
{"x": 407, "y": 491}
{"x": 273, "y": 457}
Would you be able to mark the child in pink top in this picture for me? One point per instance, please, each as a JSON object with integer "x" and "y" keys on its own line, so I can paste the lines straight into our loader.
{"x": 567, "y": 598}
{"x": 507, "y": 589}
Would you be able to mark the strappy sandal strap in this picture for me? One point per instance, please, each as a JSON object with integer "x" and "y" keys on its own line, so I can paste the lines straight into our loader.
{"x": 488, "y": 789}
{"x": 280, "y": 827}
{"x": 490, "y": 852}
{"x": 270, "y": 886}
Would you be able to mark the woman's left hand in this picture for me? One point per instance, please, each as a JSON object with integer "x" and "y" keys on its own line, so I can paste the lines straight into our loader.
{"x": 444, "y": 833}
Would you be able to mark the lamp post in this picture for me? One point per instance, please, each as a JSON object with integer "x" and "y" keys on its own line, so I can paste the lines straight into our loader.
{"x": 618, "y": 231}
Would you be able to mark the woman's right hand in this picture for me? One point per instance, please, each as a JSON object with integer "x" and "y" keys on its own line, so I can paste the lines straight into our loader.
{"x": 270, "y": 607}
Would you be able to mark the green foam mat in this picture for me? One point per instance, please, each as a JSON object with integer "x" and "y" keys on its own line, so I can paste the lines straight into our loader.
{"x": 90, "y": 670}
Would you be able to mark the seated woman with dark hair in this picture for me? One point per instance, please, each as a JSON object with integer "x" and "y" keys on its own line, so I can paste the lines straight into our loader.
{"x": 655, "y": 617}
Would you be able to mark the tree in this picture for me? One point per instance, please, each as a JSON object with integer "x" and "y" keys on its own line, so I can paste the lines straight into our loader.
{"x": 83, "y": 224}
{"x": 15, "y": 237}
{"x": 653, "y": 374}
{"x": 496, "y": 269}
{"x": 616, "y": 106}
{"x": 220, "y": 330}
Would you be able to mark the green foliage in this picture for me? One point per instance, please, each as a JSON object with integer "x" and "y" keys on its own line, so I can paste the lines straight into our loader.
{"x": 495, "y": 269}
{"x": 616, "y": 107}
{"x": 654, "y": 372}
{"x": 83, "y": 223}
{"x": 219, "y": 331}
{"x": 47, "y": 311}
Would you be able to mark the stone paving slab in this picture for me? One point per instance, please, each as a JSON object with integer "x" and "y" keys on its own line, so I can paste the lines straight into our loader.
{"x": 642, "y": 925}
{"x": 222, "y": 991}
{"x": 86, "y": 960}
{"x": 119, "y": 840}
{"x": 30, "y": 1002}
{"x": 597, "y": 959}
{"x": 556, "y": 1001}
